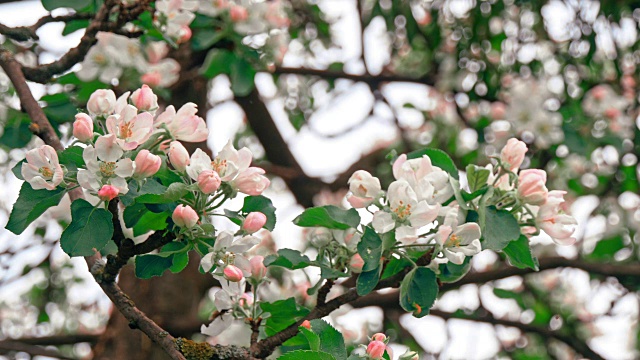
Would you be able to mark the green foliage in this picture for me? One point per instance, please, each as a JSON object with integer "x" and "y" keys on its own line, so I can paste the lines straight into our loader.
{"x": 367, "y": 281}
{"x": 450, "y": 272}
{"x": 255, "y": 203}
{"x": 329, "y": 216}
{"x": 370, "y": 249}
{"x": 242, "y": 77}
{"x": 325, "y": 338}
{"x": 306, "y": 355}
{"x": 15, "y": 131}
{"x": 519, "y": 254}
{"x": 73, "y": 4}
{"x": 418, "y": 291}
{"x": 150, "y": 265}
{"x": 90, "y": 229}
{"x": 288, "y": 258}
{"x": 498, "y": 229}
{"x": 30, "y": 205}
{"x": 282, "y": 314}
{"x": 477, "y": 177}
{"x": 218, "y": 61}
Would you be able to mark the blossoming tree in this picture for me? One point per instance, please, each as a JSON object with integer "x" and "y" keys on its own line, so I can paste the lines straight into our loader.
{"x": 487, "y": 172}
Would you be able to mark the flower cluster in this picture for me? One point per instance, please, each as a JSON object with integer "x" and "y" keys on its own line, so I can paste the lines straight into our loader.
{"x": 174, "y": 16}
{"x": 116, "y": 57}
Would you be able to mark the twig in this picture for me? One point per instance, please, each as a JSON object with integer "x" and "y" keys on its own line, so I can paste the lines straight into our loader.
{"x": 11, "y": 345}
{"x": 58, "y": 339}
{"x": 324, "y": 291}
{"x": 372, "y": 80}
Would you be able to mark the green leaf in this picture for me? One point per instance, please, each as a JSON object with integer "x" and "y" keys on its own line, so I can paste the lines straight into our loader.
{"x": 370, "y": 249}
{"x": 312, "y": 338}
{"x": 72, "y": 158}
{"x": 605, "y": 249}
{"x": 264, "y": 205}
{"x": 499, "y": 229}
{"x": 90, "y": 229}
{"x": 74, "y": 25}
{"x": 150, "y": 221}
{"x": 306, "y": 355}
{"x": 477, "y": 177}
{"x": 418, "y": 291}
{"x": 174, "y": 192}
{"x": 205, "y": 38}
{"x": 30, "y": 205}
{"x": 438, "y": 158}
{"x": 367, "y": 281}
{"x": 150, "y": 186}
{"x": 519, "y": 254}
{"x": 288, "y": 258}
{"x": 395, "y": 266}
{"x": 74, "y": 4}
{"x": 331, "y": 217}
{"x": 450, "y": 272}
{"x": 180, "y": 255}
{"x": 16, "y": 133}
{"x": 331, "y": 340}
{"x": 17, "y": 169}
{"x": 218, "y": 61}
{"x": 242, "y": 77}
{"x": 283, "y": 313}
{"x": 150, "y": 265}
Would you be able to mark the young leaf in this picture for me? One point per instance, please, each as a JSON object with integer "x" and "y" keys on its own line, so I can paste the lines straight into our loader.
{"x": 288, "y": 258}
{"x": 418, "y": 291}
{"x": 477, "y": 177}
{"x": 438, "y": 158}
{"x": 306, "y": 355}
{"x": 500, "y": 228}
{"x": 283, "y": 313}
{"x": 370, "y": 249}
{"x": 150, "y": 186}
{"x": 331, "y": 217}
{"x": 450, "y": 272}
{"x": 90, "y": 229}
{"x": 331, "y": 340}
{"x": 147, "y": 266}
{"x": 242, "y": 77}
{"x": 519, "y": 254}
{"x": 217, "y": 62}
{"x": 367, "y": 281}
{"x": 30, "y": 205}
{"x": 71, "y": 157}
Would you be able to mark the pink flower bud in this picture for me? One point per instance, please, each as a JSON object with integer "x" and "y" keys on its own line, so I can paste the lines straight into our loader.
{"x": 254, "y": 222}
{"x": 178, "y": 156}
{"x": 379, "y": 337}
{"x": 108, "y": 192}
{"x": 513, "y": 153}
{"x": 83, "y": 127}
{"x": 599, "y": 92}
{"x": 152, "y": 78}
{"x": 355, "y": 264}
{"x": 232, "y": 273}
{"x": 238, "y": 13}
{"x": 251, "y": 181}
{"x": 102, "y": 102}
{"x": 209, "y": 181}
{"x": 145, "y": 99}
{"x": 185, "y": 216}
{"x": 147, "y": 164}
{"x": 258, "y": 270}
{"x": 185, "y": 34}
{"x": 306, "y": 324}
{"x": 531, "y": 186}
{"x": 376, "y": 349}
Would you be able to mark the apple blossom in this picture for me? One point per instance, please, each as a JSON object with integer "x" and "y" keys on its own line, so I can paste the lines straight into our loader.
{"x": 144, "y": 99}
{"x": 306, "y": 324}
{"x": 184, "y": 124}
{"x": 513, "y": 154}
{"x": 551, "y": 220}
{"x": 225, "y": 299}
{"x": 147, "y": 164}
{"x": 429, "y": 182}
{"x": 230, "y": 162}
{"x": 319, "y": 236}
{"x": 365, "y": 189}
{"x": 531, "y": 186}
{"x": 105, "y": 166}
{"x": 356, "y": 263}
{"x": 258, "y": 270}
{"x": 376, "y": 349}
{"x": 102, "y": 102}
{"x": 226, "y": 248}
{"x": 251, "y": 181}
{"x": 132, "y": 129}
{"x": 232, "y": 273}
{"x": 238, "y": 13}
{"x": 254, "y": 221}
{"x": 208, "y": 181}
{"x": 42, "y": 169}
{"x": 379, "y": 337}
{"x": 83, "y": 127}
{"x": 457, "y": 241}
{"x": 178, "y": 156}
{"x": 108, "y": 192}
{"x": 184, "y": 216}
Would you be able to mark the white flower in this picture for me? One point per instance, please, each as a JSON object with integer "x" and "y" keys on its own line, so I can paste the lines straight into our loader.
{"x": 42, "y": 169}
{"x": 226, "y": 251}
{"x": 105, "y": 166}
{"x": 225, "y": 300}
{"x": 456, "y": 241}
{"x": 184, "y": 125}
{"x": 429, "y": 182}
{"x": 554, "y": 222}
{"x": 365, "y": 189}
{"x": 130, "y": 128}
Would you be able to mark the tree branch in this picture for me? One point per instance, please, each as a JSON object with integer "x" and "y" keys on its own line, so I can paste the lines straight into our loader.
{"x": 571, "y": 341}
{"x": 373, "y": 81}
{"x": 12, "y": 345}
